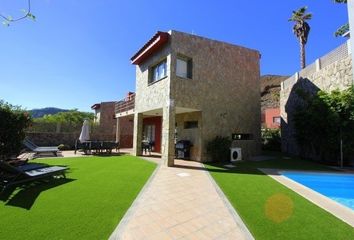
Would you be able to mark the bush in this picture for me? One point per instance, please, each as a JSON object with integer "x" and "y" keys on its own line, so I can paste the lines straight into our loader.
{"x": 219, "y": 149}
{"x": 271, "y": 139}
{"x": 13, "y": 122}
{"x": 322, "y": 121}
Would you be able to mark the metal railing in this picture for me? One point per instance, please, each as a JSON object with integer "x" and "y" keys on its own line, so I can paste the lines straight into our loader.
{"x": 126, "y": 104}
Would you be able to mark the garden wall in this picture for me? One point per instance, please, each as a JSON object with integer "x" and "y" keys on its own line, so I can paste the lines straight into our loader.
{"x": 55, "y": 139}
{"x": 332, "y": 71}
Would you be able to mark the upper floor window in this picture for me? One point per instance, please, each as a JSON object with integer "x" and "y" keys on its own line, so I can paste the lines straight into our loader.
{"x": 184, "y": 67}
{"x": 276, "y": 120}
{"x": 159, "y": 71}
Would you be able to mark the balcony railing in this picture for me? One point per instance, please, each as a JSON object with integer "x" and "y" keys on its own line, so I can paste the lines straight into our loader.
{"x": 126, "y": 104}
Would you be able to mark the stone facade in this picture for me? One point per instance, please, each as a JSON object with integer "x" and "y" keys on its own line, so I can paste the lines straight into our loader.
{"x": 222, "y": 95}
{"x": 104, "y": 117}
{"x": 335, "y": 75}
{"x": 351, "y": 25}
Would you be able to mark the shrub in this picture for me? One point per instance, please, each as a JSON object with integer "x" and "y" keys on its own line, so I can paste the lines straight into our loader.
{"x": 219, "y": 148}
{"x": 13, "y": 122}
{"x": 322, "y": 121}
{"x": 271, "y": 139}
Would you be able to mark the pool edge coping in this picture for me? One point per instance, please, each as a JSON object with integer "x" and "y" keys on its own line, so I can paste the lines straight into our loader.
{"x": 338, "y": 210}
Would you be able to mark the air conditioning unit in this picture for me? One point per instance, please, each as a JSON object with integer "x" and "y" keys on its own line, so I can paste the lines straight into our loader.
{"x": 236, "y": 154}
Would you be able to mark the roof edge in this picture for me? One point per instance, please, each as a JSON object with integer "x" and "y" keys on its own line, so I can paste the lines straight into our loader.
{"x": 155, "y": 43}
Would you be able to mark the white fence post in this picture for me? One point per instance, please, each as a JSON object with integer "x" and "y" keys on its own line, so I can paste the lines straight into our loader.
{"x": 318, "y": 64}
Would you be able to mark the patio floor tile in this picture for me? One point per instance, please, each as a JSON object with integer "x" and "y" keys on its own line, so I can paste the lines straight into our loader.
{"x": 180, "y": 203}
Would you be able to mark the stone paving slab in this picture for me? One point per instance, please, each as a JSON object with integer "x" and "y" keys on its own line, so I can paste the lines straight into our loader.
{"x": 180, "y": 202}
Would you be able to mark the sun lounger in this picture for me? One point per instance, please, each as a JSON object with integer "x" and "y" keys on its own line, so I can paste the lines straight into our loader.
{"x": 34, "y": 148}
{"x": 14, "y": 176}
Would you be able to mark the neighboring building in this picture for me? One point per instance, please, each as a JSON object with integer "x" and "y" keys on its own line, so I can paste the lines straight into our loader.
{"x": 105, "y": 117}
{"x": 125, "y": 120}
{"x": 270, "y": 100}
{"x": 193, "y": 88}
{"x": 271, "y": 118}
{"x": 330, "y": 72}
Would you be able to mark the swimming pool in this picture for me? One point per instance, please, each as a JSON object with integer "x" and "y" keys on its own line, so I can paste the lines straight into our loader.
{"x": 338, "y": 187}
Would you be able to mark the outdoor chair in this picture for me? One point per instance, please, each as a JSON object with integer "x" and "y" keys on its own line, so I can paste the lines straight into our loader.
{"x": 96, "y": 146}
{"x": 85, "y": 146}
{"x": 14, "y": 176}
{"x": 109, "y": 146}
{"x": 38, "y": 150}
{"x": 146, "y": 146}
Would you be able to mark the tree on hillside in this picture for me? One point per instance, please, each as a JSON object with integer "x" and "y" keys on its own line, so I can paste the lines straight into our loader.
{"x": 301, "y": 29}
{"x": 26, "y": 14}
{"x": 72, "y": 116}
{"x": 69, "y": 121}
{"x": 344, "y": 28}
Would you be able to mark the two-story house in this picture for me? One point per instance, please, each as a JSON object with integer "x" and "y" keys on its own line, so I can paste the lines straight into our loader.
{"x": 193, "y": 88}
{"x": 104, "y": 117}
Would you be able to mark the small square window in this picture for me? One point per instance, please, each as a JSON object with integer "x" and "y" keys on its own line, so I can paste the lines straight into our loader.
{"x": 184, "y": 67}
{"x": 276, "y": 120}
{"x": 158, "y": 71}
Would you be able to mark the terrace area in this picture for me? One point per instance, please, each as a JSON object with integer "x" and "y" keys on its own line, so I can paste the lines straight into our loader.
{"x": 125, "y": 106}
{"x": 188, "y": 201}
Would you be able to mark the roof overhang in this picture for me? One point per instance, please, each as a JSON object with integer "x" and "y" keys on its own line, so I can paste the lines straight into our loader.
{"x": 153, "y": 45}
{"x": 96, "y": 106}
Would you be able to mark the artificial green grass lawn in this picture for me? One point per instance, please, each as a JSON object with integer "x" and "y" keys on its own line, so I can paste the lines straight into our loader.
{"x": 88, "y": 205}
{"x": 249, "y": 191}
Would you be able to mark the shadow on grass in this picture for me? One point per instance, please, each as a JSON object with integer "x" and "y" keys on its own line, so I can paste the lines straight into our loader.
{"x": 25, "y": 196}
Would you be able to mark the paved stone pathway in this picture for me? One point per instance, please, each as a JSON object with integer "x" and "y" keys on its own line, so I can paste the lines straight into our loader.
{"x": 181, "y": 203}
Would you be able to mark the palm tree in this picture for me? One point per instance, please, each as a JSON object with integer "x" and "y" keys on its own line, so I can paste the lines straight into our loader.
{"x": 301, "y": 30}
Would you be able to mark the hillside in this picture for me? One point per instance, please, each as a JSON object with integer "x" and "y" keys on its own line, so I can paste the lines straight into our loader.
{"x": 270, "y": 89}
{"x": 37, "y": 113}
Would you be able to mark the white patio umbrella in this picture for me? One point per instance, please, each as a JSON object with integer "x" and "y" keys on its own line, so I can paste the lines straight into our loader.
{"x": 85, "y": 131}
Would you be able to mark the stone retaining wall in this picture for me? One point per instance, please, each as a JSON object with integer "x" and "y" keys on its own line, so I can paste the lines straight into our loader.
{"x": 55, "y": 139}
{"x": 336, "y": 75}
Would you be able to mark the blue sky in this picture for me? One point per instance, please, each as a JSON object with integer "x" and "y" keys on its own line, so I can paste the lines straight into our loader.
{"x": 78, "y": 52}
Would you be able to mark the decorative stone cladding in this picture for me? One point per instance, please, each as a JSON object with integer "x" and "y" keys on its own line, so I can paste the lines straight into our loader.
{"x": 223, "y": 94}
{"x": 106, "y": 121}
{"x": 337, "y": 74}
{"x": 351, "y": 25}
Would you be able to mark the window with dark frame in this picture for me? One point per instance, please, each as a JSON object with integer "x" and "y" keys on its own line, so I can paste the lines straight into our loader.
{"x": 158, "y": 71}
{"x": 276, "y": 120}
{"x": 184, "y": 67}
{"x": 190, "y": 124}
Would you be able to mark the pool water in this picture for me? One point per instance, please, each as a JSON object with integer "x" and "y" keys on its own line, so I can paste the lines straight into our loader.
{"x": 338, "y": 187}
